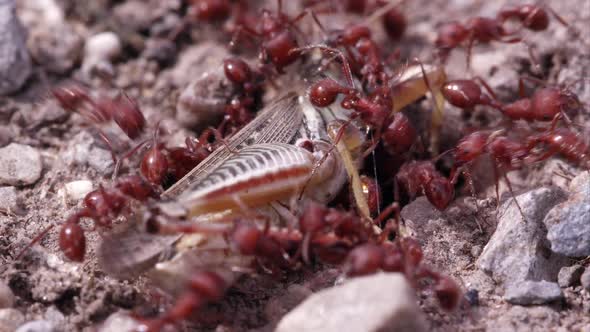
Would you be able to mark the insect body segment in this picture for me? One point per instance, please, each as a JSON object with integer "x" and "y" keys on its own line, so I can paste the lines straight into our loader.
{"x": 255, "y": 176}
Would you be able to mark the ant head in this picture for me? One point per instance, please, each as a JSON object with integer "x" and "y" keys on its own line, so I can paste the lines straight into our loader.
{"x": 364, "y": 259}
{"x": 72, "y": 241}
{"x": 399, "y": 136}
{"x": 395, "y": 24}
{"x": 439, "y": 192}
{"x": 462, "y": 93}
{"x": 534, "y": 17}
{"x": 551, "y": 101}
{"x": 447, "y": 292}
{"x": 279, "y": 49}
{"x": 237, "y": 70}
{"x": 324, "y": 92}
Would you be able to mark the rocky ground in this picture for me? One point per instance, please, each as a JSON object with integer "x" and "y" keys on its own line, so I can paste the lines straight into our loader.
{"x": 517, "y": 275}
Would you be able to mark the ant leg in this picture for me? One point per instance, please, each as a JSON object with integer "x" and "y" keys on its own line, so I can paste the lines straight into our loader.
{"x": 35, "y": 240}
{"x": 345, "y": 64}
{"x": 470, "y": 42}
{"x": 126, "y": 156}
{"x": 485, "y": 84}
{"x": 509, "y": 184}
{"x": 107, "y": 141}
{"x": 467, "y": 174}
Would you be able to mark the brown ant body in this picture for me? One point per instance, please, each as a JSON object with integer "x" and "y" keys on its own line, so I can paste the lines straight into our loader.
{"x": 561, "y": 141}
{"x": 546, "y": 104}
{"x": 484, "y": 30}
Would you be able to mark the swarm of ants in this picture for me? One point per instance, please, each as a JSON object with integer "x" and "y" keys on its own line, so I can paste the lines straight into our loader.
{"x": 370, "y": 86}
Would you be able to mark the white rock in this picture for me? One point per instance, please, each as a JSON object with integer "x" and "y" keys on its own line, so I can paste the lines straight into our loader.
{"x": 15, "y": 63}
{"x": 6, "y": 296}
{"x": 40, "y": 12}
{"x": 516, "y": 251}
{"x": 37, "y": 326}
{"x": 76, "y": 190}
{"x": 9, "y": 198}
{"x": 10, "y": 319}
{"x": 119, "y": 321}
{"x": 100, "y": 49}
{"x": 569, "y": 275}
{"x": 19, "y": 165}
{"x": 381, "y": 302}
{"x": 585, "y": 279}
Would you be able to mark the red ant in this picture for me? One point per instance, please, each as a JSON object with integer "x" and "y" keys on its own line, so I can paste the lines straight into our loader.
{"x": 276, "y": 33}
{"x": 564, "y": 142}
{"x": 160, "y": 164}
{"x": 422, "y": 177}
{"x": 485, "y": 30}
{"x": 102, "y": 206}
{"x": 546, "y": 104}
{"x": 532, "y": 17}
{"x": 123, "y": 110}
{"x": 405, "y": 256}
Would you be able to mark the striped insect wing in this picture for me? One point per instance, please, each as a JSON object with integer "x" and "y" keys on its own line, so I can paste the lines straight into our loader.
{"x": 277, "y": 123}
{"x": 255, "y": 176}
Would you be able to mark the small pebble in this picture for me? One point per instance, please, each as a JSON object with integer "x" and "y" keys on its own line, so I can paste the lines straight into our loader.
{"x": 585, "y": 279}
{"x": 76, "y": 190}
{"x": 119, "y": 321}
{"x": 19, "y": 165}
{"x": 37, "y": 326}
{"x": 99, "y": 50}
{"x": 472, "y": 296}
{"x": 569, "y": 275}
{"x": 15, "y": 63}
{"x": 10, "y": 319}
{"x": 533, "y": 292}
{"x": 8, "y": 201}
{"x": 6, "y": 296}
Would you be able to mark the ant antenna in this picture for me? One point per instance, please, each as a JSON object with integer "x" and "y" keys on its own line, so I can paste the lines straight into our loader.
{"x": 382, "y": 11}
{"x": 345, "y": 64}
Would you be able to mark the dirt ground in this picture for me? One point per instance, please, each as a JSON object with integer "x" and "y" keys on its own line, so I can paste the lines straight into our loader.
{"x": 78, "y": 297}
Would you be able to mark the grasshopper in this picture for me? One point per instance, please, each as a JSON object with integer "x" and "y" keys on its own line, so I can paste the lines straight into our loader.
{"x": 263, "y": 168}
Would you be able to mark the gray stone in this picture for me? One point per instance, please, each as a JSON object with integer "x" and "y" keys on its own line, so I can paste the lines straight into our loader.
{"x": 569, "y": 275}
{"x": 203, "y": 101}
{"x": 58, "y": 48}
{"x": 6, "y": 296}
{"x": 568, "y": 223}
{"x": 119, "y": 321}
{"x": 9, "y": 201}
{"x": 533, "y": 292}
{"x": 101, "y": 160}
{"x": 19, "y": 165}
{"x": 10, "y": 319}
{"x": 15, "y": 63}
{"x": 196, "y": 60}
{"x": 37, "y": 326}
{"x": 381, "y": 302}
{"x": 517, "y": 250}
{"x": 585, "y": 279}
